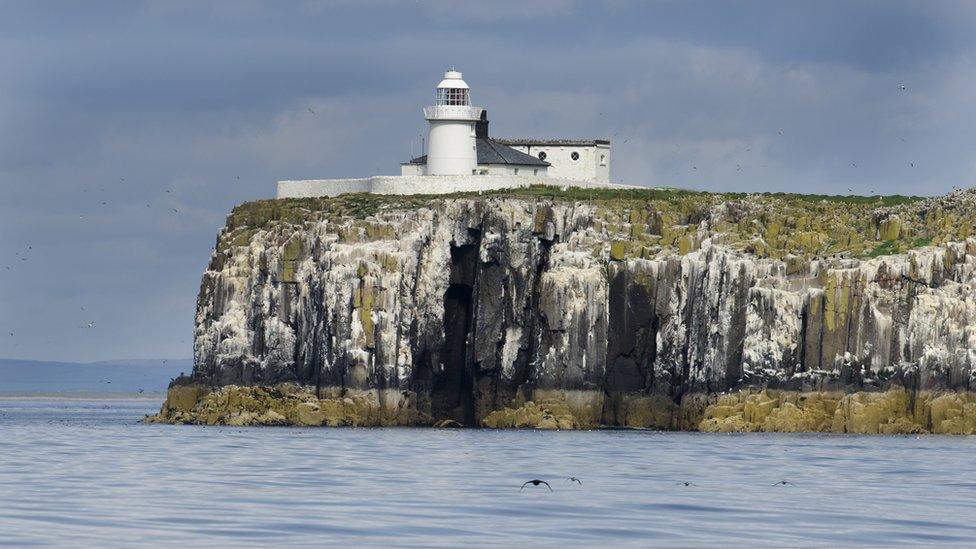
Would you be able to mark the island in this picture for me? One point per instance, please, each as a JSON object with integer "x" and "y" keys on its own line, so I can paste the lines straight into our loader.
{"x": 559, "y": 307}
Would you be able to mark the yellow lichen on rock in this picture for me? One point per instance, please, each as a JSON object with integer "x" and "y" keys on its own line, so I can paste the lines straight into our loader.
{"x": 890, "y": 412}
{"x": 647, "y": 412}
{"x": 953, "y": 414}
{"x": 532, "y": 415}
{"x": 280, "y": 405}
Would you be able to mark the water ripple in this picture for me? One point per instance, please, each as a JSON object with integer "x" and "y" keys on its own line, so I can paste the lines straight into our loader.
{"x": 83, "y": 473}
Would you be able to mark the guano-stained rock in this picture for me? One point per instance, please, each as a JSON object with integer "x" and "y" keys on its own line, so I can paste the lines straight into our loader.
{"x": 546, "y": 310}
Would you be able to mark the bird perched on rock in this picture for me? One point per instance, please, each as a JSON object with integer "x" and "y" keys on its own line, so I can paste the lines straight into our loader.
{"x": 535, "y": 482}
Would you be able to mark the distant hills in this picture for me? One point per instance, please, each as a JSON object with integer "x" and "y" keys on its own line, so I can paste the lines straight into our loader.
{"x": 110, "y": 376}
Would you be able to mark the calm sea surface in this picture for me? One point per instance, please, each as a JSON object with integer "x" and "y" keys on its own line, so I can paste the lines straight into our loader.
{"x": 85, "y": 472}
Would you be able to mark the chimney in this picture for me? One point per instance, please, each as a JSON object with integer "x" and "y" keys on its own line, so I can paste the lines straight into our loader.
{"x": 481, "y": 126}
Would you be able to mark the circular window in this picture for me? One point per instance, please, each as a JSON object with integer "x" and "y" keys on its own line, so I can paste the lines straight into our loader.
{"x": 574, "y": 156}
{"x": 542, "y": 155}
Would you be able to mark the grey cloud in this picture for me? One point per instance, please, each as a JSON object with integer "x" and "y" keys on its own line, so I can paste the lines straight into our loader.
{"x": 209, "y": 102}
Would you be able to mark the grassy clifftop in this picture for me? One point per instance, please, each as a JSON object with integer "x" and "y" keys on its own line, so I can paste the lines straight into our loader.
{"x": 650, "y": 222}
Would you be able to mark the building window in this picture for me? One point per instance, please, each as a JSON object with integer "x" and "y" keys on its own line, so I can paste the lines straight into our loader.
{"x": 603, "y": 160}
{"x": 535, "y": 172}
{"x": 516, "y": 171}
{"x": 574, "y": 155}
{"x": 542, "y": 155}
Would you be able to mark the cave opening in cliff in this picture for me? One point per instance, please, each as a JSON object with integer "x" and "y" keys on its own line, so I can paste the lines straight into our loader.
{"x": 453, "y": 387}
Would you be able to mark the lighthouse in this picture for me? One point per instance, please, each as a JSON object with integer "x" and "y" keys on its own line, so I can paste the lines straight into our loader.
{"x": 452, "y": 148}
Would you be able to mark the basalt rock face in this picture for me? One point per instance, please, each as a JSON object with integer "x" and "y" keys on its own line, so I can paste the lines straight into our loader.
{"x": 545, "y": 311}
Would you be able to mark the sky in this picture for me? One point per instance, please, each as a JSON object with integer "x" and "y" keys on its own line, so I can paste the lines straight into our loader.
{"x": 128, "y": 130}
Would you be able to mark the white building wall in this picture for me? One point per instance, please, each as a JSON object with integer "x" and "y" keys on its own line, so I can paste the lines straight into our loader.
{"x": 426, "y": 184}
{"x": 508, "y": 169}
{"x": 593, "y": 162}
{"x": 309, "y": 188}
{"x": 483, "y": 169}
{"x": 412, "y": 169}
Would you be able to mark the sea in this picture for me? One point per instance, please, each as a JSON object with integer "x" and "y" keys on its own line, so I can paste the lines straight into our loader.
{"x": 85, "y": 472}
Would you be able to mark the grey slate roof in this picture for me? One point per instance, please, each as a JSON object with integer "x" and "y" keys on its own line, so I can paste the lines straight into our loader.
{"x": 493, "y": 152}
{"x": 554, "y": 142}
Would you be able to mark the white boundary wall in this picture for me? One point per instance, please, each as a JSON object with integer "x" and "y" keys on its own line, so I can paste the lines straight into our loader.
{"x": 428, "y": 184}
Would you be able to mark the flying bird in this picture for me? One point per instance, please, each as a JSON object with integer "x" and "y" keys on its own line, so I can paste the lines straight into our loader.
{"x": 911, "y": 164}
{"x": 536, "y": 482}
{"x": 90, "y": 324}
{"x": 576, "y": 480}
{"x": 311, "y": 110}
{"x": 903, "y": 87}
{"x": 783, "y": 483}
{"x": 685, "y": 483}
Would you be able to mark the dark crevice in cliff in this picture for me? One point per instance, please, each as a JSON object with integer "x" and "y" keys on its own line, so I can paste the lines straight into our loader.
{"x": 535, "y": 324}
{"x": 315, "y": 362}
{"x": 453, "y": 384}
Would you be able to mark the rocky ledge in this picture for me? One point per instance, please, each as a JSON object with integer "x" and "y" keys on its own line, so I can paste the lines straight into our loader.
{"x": 580, "y": 308}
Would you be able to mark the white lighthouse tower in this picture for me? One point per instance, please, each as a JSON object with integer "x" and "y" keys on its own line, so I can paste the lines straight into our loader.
{"x": 452, "y": 148}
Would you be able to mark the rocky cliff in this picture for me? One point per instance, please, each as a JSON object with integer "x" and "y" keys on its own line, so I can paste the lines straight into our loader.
{"x": 578, "y": 308}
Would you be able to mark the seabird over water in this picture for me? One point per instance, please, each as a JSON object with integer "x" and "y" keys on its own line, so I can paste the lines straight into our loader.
{"x": 536, "y": 482}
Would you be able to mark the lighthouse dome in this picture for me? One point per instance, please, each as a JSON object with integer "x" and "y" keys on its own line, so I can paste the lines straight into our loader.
{"x": 452, "y": 79}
